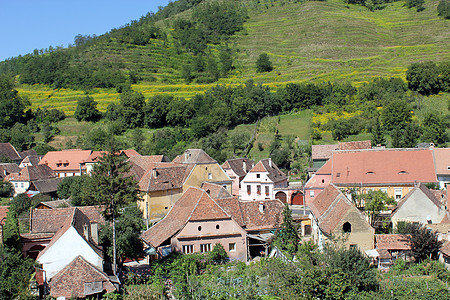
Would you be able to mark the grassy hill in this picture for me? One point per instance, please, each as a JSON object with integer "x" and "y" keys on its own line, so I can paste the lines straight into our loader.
{"x": 317, "y": 41}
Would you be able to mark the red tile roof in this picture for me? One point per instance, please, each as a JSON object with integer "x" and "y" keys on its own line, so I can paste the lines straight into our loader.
{"x": 3, "y": 212}
{"x": 330, "y": 207}
{"x": 207, "y": 209}
{"x": 73, "y": 158}
{"x": 96, "y": 155}
{"x": 76, "y": 219}
{"x": 442, "y": 160}
{"x": 74, "y": 280}
{"x": 388, "y": 166}
{"x": 321, "y": 152}
{"x": 51, "y": 220}
{"x": 146, "y": 162}
{"x": 445, "y": 249}
{"x": 392, "y": 242}
{"x": 269, "y": 218}
{"x": 175, "y": 219}
{"x": 162, "y": 176}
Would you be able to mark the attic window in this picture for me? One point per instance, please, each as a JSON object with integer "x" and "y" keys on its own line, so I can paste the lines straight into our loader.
{"x": 199, "y": 228}
{"x": 370, "y": 173}
{"x": 347, "y": 227}
{"x": 402, "y": 172}
{"x": 338, "y": 174}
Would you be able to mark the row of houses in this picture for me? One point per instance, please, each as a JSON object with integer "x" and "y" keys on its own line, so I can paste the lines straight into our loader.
{"x": 195, "y": 203}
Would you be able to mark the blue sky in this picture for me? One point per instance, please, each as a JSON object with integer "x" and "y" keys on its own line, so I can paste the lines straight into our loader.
{"x": 26, "y": 25}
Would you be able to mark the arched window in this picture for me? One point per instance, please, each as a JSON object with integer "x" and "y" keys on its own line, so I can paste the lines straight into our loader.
{"x": 347, "y": 227}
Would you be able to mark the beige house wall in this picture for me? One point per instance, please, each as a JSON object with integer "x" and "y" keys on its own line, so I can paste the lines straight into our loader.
{"x": 213, "y": 232}
{"x": 159, "y": 203}
{"x": 390, "y": 190}
{"x": 210, "y": 173}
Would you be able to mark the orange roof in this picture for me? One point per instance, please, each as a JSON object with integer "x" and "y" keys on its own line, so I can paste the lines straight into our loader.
{"x": 73, "y": 158}
{"x": 442, "y": 160}
{"x": 388, "y": 166}
{"x": 392, "y": 241}
{"x": 3, "y": 212}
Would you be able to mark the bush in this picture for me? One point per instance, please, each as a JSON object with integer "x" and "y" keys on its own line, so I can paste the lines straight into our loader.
{"x": 263, "y": 63}
{"x": 443, "y": 9}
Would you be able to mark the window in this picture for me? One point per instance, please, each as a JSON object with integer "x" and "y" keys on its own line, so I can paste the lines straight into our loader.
{"x": 209, "y": 175}
{"x": 311, "y": 194}
{"x": 217, "y": 226}
{"x": 187, "y": 249}
{"x": 21, "y": 184}
{"x": 384, "y": 190}
{"x": 398, "y": 194}
{"x": 258, "y": 189}
{"x": 232, "y": 247}
{"x": 205, "y": 248}
{"x": 16, "y": 184}
{"x": 347, "y": 227}
{"x": 258, "y": 175}
{"x": 199, "y": 228}
{"x": 267, "y": 191}
{"x": 249, "y": 189}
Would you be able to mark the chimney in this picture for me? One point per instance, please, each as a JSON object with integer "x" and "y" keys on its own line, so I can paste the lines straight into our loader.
{"x": 86, "y": 231}
{"x": 94, "y": 232}
{"x": 270, "y": 162}
{"x": 261, "y": 208}
{"x": 187, "y": 154}
{"x": 244, "y": 166}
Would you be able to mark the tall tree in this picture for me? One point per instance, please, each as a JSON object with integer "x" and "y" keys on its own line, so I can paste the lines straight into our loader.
{"x": 263, "y": 63}
{"x": 114, "y": 188}
{"x": 375, "y": 202}
{"x": 12, "y": 106}
{"x": 87, "y": 110}
{"x": 287, "y": 235}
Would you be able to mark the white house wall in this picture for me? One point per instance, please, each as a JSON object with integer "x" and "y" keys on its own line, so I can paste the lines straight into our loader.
{"x": 252, "y": 180}
{"x": 418, "y": 208}
{"x": 64, "y": 250}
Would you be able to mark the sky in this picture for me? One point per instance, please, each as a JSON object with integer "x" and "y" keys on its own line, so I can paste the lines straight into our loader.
{"x": 26, "y": 25}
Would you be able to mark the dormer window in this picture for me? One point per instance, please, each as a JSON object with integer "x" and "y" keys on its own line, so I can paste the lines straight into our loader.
{"x": 338, "y": 174}
{"x": 402, "y": 172}
{"x": 370, "y": 173}
{"x": 258, "y": 175}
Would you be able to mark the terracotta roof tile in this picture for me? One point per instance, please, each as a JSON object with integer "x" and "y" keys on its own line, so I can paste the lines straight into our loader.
{"x": 3, "y": 212}
{"x": 383, "y": 166}
{"x": 66, "y": 160}
{"x": 240, "y": 166}
{"x": 175, "y": 219}
{"x": 355, "y": 145}
{"x": 271, "y": 216}
{"x": 162, "y": 176}
{"x": 51, "y": 220}
{"x": 442, "y": 160}
{"x": 7, "y": 150}
{"x": 445, "y": 249}
{"x": 55, "y": 204}
{"x": 330, "y": 207}
{"x": 392, "y": 241}
{"x": 207, "y": 209}
{"x": 233, "y": 208}
{"x": 70, "y": 282}
{"x": 31, "y": 159}
{"x": 96, "y": 155}
{"x": 323, "y": 151}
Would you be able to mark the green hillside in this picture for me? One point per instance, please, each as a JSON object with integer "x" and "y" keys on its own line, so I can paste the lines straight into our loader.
{"x": 317, "y": 41}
